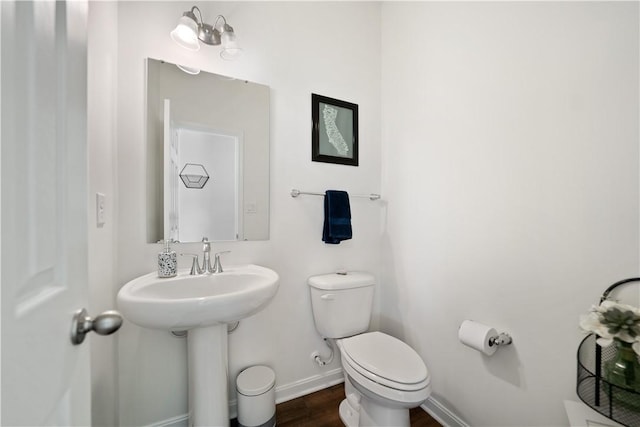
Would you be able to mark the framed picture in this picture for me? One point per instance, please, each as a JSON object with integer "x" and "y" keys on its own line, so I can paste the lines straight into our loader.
{"x": 334, "y": 136}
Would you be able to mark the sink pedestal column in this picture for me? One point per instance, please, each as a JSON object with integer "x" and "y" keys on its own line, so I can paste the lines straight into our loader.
{"x": 208, "y": 376}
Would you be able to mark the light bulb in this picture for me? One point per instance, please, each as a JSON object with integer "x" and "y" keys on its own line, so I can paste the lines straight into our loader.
{"x": 230, "y": 49}
{"x": 189, "y": 70}
{"x": 186, "y": 33}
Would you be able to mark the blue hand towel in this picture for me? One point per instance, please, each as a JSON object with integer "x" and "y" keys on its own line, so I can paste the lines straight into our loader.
{"x": 337, "y": 217}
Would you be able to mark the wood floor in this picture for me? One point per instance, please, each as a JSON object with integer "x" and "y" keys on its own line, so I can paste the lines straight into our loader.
{"x": 320, "y": 409}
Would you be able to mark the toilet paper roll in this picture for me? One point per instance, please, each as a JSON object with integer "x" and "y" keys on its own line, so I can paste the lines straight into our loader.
{"x": 476, "y": 335}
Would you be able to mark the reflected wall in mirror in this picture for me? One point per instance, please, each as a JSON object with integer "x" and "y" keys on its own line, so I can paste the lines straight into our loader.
{"x": 207, "y": 156}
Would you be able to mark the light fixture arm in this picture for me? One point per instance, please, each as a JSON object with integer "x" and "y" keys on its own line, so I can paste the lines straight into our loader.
{"x": 225, "y": 27}
{"x": 189, "y": 14}
{"x": 199, "y": 13}
{"x": 218, "y": 18}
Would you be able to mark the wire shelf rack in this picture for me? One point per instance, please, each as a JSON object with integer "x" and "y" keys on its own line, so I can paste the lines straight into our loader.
{"x": 617, "y": 403}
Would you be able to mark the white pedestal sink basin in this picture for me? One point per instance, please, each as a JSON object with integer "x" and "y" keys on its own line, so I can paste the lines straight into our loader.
{"x": 203, "y": 305}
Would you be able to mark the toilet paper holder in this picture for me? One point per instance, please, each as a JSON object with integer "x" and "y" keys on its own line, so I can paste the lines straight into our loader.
{"x": 482, "y": 337}
{"x": 500, "y": 340}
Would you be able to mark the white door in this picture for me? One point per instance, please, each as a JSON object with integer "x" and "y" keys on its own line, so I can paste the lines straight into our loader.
{"x": 45, "y": 379}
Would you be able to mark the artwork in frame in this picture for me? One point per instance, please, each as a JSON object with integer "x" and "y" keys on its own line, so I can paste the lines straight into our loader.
{"x": 335, "y": 131}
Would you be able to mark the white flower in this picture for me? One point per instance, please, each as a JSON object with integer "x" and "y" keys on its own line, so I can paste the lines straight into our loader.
{"x": 591, "y": 323}
{"x": 612, "y": 321}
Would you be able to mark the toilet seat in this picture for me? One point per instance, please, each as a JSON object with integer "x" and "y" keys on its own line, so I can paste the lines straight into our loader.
{"x": 392, "y": 397}
{"x": 385, "y": 360}
{"x": 385, "y": 356}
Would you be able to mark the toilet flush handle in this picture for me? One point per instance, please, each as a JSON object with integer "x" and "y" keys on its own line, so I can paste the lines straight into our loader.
{"x": 328, "y": 297}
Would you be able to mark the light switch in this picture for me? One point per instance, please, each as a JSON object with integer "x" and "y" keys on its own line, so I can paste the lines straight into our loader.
{"x": 100, "y": 208}
{"x": 251, "y": 208}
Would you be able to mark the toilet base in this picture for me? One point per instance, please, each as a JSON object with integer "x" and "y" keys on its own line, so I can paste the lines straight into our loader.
{"x": 372, "y": 414}
{"x": 348, "y": 415}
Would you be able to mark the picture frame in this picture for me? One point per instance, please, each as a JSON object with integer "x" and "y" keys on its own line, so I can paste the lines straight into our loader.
{"x": 334, "y": 136}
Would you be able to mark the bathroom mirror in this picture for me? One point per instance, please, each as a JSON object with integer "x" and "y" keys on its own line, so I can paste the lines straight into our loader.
{"x": 207, "y": 156}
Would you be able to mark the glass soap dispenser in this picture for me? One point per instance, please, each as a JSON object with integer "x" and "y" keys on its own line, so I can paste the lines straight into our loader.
{"x": 167, "y": 261}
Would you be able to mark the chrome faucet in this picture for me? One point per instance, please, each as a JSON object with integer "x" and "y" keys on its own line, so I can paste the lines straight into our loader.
{"x": 217, "y": 265}
{"x": 206, "y": 260}
{"x": 195, "y": 265}
{"x": 206, "y": 256}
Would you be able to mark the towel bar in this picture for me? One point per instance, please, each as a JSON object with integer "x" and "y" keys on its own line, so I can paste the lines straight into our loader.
{"x": 296, "y": 193}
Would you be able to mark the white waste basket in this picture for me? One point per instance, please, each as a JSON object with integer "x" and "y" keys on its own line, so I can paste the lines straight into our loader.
{"x": 256, "y": 397}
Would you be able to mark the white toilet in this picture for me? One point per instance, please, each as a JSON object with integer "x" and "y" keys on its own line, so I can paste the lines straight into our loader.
{"x": 384, "y": 377}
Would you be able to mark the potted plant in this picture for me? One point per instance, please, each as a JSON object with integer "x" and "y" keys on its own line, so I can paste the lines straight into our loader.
{"x": 618, "y": 324}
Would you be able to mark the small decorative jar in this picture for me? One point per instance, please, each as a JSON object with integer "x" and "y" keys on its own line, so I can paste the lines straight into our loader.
{"x": 167, "y": 262}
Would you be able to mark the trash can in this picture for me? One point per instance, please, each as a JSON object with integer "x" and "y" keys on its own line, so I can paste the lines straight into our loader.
{"x": 256, "y": 397}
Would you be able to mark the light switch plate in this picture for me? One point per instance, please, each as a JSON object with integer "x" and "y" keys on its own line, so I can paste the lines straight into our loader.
{"x": 251, "y": 208}
{"x": 100, "y": 208}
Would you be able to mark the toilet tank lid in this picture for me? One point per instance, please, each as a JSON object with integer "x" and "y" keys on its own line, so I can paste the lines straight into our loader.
{"x": 348, "y": 280}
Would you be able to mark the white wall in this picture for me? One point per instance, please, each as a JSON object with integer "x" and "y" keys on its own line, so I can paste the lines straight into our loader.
{"x": 297, "y": 49}
{"x": 101, "y": 136}
{"x": 510, "y": 166}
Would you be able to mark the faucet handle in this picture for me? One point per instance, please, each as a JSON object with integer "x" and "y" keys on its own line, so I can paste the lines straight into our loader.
{"x": 217, "y": 265}
{"x": 195, "y": 265}
{"x": 206, "y": 245}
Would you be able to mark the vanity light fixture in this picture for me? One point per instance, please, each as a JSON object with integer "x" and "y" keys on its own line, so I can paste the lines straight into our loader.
{"x": 190, "y": 31}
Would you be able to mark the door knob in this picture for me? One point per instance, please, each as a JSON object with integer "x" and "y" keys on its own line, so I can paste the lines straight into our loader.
{"x": 103, "y": 324}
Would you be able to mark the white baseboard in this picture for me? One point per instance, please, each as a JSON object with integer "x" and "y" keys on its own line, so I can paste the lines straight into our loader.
{"x": 308, "y": 385}
{"x": 284, "y": 393}
{"x": 312, "y": 384}
{"x": 178, "y": 421}
{"x": 442, "y": 414}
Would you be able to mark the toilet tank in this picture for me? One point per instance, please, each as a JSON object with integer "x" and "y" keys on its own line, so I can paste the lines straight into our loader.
{"x": 341, "y": 303}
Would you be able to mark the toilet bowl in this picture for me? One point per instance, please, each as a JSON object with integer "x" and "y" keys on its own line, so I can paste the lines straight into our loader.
{"x": 389, "y": 376}
{"x": 384, "y": 377}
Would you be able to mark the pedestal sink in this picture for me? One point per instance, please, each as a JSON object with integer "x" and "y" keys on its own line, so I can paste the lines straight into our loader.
{"x": 203, "y": 305}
